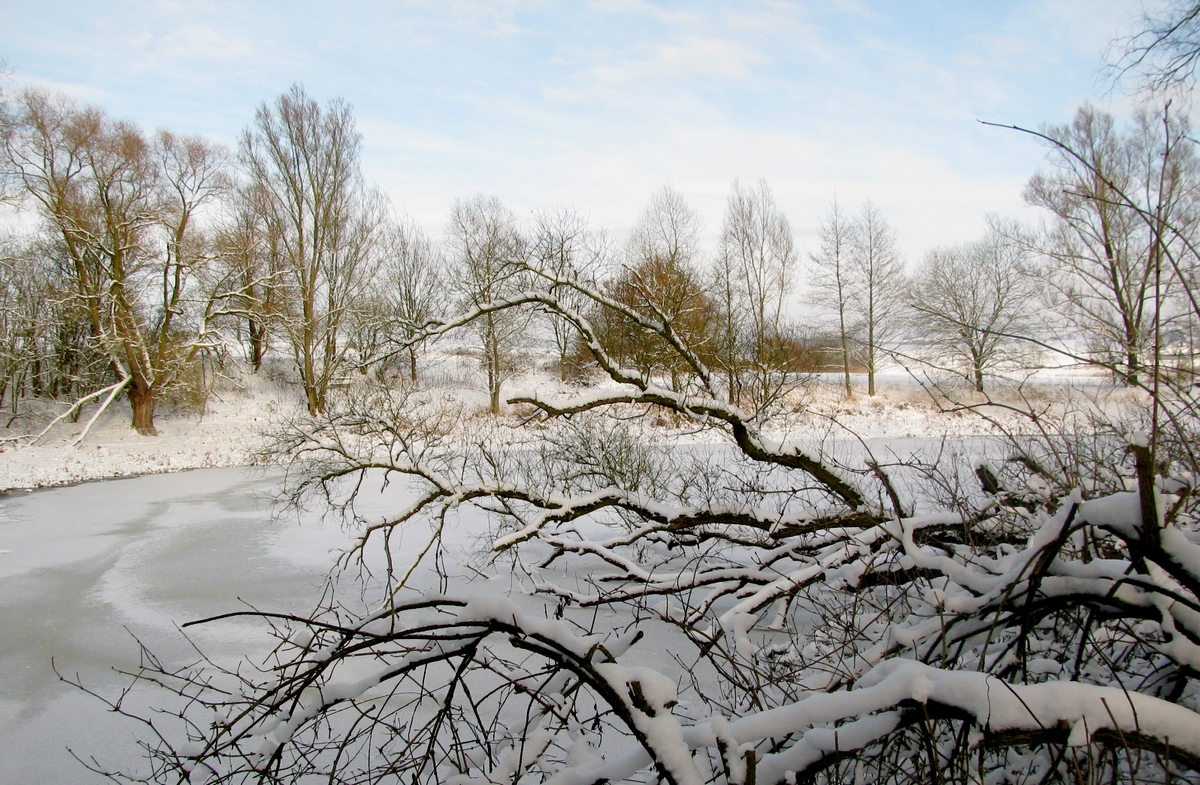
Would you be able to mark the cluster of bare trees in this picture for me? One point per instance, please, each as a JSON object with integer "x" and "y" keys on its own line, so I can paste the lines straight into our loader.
{"x": 151, "y": 251}
{"x": 154, "y": 254}
{"x": 1095, "y": 283}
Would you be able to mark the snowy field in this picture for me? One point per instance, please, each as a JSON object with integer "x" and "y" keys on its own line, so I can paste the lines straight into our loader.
{"x": 84, "y": 570}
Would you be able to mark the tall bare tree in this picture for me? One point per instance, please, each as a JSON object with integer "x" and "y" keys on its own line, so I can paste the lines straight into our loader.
{"x": 123, "y": 212}
{"x": 415, "y": 281}
{"x": 757, "y": 257}
{"x": 488, "y": 253}
{"x": 564, "y": 246}
{"x": 1105, "y": 262}
{"x": 831, "y": 284}
{"x": 877, "y": 285}
{"x": 324, "y": 226}
{"x": 249, "y": 279}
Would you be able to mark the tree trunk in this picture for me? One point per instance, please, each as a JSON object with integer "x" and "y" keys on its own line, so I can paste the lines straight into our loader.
{"x": 142, "y": 399}
{"x": 846, "y": 364}
{"x": 256, "y": 344}
{"x": 871, "y": 366}
{"x": 493, "y": 389}
{"x": 978, "y": 379}
{"x": 1132, "y": 367}
{"x": 412, "y": 363}
{"x": 314, "y": 403}
{"x": 493, "y": 379}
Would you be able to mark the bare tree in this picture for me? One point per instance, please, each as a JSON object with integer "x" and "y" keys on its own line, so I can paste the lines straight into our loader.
{"x": 324, "y": 226}
{"x": 27, "y": 322}
{"x": 757, "y": 258}
{"x": 1104, "y": 263}
{"x": 46, "y": 349}
{"x": 972, "y": 305}
{"x": 415, "y": 276}
{"x": 563, "y": 243}
{"x": 876, "y": 275}
{"x": 124, "y": 215}
{"x": 831, "y": 283}
{"x": 250, "y": 280}
{"x": 488, "y": 255}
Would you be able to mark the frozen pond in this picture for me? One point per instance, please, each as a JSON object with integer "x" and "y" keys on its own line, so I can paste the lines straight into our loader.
{"x": 84, "y": 569}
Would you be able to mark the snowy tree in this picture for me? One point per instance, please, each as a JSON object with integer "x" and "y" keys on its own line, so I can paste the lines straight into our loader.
{"x": 123, "y": 215}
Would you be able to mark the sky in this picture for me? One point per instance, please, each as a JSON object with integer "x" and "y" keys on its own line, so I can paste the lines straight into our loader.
{"x": 595, "y": 105}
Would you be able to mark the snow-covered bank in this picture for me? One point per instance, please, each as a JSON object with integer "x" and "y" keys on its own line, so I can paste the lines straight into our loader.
{"x": 235, "y": 419}
{"x": 227, "y": 434}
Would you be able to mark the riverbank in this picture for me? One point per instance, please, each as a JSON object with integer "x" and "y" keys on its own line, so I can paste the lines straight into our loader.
{"x": 231, "y": 429}
{"x": 227, "y": 433}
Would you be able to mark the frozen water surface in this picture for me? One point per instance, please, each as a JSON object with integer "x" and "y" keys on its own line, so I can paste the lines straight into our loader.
{"x": 84, "y": 569}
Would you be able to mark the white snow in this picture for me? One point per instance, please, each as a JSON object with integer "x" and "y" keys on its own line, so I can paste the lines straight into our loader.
{"x": 226, "y": 434}
{"x": 229, "y": 431}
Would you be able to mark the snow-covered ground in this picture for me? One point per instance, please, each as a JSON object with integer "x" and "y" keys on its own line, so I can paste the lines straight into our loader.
{"x": 230, "y": 430}
{"x": 226, "y": 434}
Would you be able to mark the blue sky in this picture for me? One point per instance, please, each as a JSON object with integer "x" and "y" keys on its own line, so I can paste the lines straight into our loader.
{"x": 597, "y": 104}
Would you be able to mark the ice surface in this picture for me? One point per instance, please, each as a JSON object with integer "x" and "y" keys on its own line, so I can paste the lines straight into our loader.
{"x": 87, "y": 563}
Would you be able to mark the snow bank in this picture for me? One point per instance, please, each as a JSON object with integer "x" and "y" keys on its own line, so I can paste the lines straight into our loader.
{"x": 226, "y": 435}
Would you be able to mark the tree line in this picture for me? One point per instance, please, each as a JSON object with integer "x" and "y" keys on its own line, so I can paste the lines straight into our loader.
{"x": 153, "y": 256}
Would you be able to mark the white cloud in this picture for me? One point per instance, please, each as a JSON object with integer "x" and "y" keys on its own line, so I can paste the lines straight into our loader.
{"x": 662, "y": 66}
